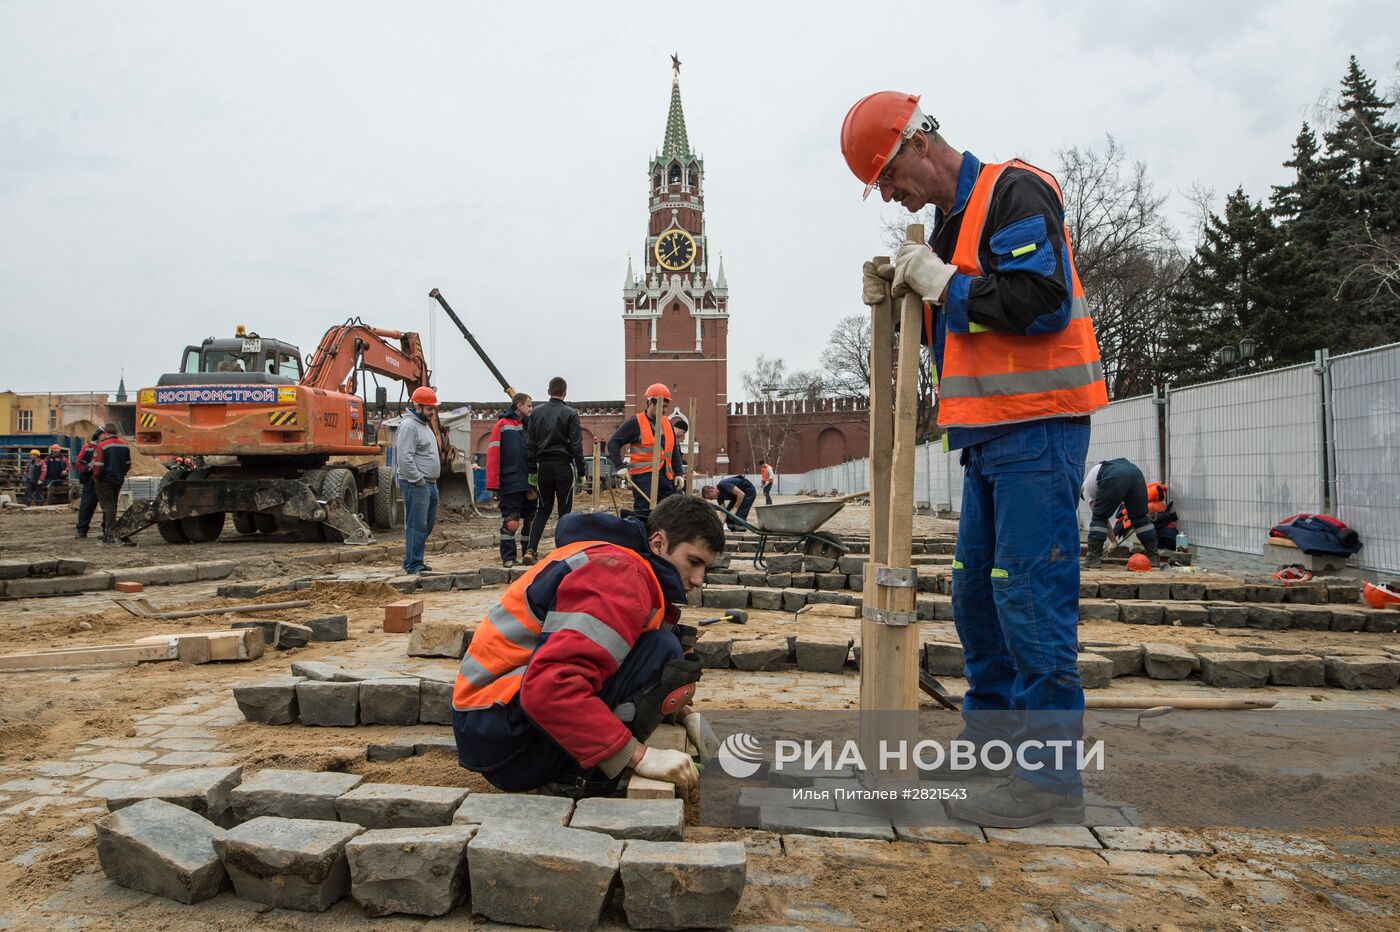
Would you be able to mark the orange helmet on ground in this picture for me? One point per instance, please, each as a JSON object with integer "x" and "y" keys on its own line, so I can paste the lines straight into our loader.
{"x": 874, "y": 129}
{"x": 423, "y": 395}
{"x": 1379, "y": 596}
{"x": 657, "y": 390}
{"x": 1139, "y": 563}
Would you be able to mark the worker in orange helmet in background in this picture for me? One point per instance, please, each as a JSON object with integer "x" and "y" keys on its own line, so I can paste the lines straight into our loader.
{"x": 638, "y": 433}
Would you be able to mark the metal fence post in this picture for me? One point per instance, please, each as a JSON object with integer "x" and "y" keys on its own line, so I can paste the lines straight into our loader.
{"x": 1164, "y": 441}
{"x": 1329, "y": 424}
{"x": 1320, "y": 416}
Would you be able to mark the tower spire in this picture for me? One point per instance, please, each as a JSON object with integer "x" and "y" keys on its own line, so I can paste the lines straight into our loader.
{"x": 675, "y": 145}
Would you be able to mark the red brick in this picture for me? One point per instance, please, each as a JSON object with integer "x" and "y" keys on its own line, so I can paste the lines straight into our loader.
{"x": 397, "y": 625}
{"x": 126, "y": 586}
{"x": 404, "y": 609}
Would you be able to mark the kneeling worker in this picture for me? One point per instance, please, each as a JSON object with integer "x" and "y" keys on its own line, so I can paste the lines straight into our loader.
{"x": 582, "y": 657}
{"x": 1106, "y": 486}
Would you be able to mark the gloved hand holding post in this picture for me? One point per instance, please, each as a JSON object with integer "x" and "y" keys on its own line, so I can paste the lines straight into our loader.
{"x": 874, "y": 284}
{"x": 917, "y": 269}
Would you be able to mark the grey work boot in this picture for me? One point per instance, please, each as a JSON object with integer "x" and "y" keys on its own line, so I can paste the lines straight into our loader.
{"x": 1017, "y": 803}
{"x": 1093, "y": 557}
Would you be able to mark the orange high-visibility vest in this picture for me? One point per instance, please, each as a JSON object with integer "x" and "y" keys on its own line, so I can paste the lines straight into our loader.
{"x": 500, "y": 650}
{"x": 1156, "y": 497}
{"x": 639, "y": 456}
{"x": 767, "y": 476}
{"x": 1000, "y": 378}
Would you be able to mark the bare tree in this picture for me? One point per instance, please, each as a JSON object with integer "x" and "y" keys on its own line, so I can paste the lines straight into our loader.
{"x": 1129, "y": 261}
{"x": 846, "y": 362}
{"x": 778, "y": 395}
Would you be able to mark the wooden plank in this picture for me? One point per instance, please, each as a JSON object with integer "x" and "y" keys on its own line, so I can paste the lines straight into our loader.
{"x": 901, "y": 525}
{"x": 669, "y": 737}
{"x": 83, "y": 657}
{"x": 647, "y": 788}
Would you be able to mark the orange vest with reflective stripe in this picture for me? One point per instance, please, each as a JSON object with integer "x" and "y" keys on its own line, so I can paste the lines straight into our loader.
{"x": 501, "y": 647}
{"x": 767, "y": 475}
{"x": 1001, "y": 378}
{"x": 639, "y": 457}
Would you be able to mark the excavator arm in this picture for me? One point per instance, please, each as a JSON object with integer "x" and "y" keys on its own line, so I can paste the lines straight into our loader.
{"x": 353, "y": 345}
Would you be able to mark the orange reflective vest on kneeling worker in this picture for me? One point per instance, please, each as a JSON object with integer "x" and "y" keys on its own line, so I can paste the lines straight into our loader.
{"x": 988, "y": 377}
{"x": 501, "y": 647}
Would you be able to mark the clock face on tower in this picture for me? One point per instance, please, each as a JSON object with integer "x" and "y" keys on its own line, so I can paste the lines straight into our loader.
{"x": 675, "y": 250}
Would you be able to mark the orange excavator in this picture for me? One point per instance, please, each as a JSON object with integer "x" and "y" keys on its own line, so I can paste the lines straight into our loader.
{"x": 277, "y": 447}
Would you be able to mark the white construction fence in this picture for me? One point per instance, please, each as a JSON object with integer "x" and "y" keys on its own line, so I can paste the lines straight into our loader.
{"x": 1238, "y": 455}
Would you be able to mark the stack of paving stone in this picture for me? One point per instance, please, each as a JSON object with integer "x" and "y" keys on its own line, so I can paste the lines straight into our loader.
{"x": 304, "y": 840}
{"x": 1249, "y": 665}
{"x": 326, "y": 695}
{"x": 26, "y": 579}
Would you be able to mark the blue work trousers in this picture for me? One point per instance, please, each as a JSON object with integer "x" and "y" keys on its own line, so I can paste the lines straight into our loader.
{"x": 518, "y": 509}
{"x": 420, "y": 505}
{"x": 1016, "y": 593}
{"x": 515, "y": 755}
{"x": 87, "y": 507}
{"x": 665, "y": 488}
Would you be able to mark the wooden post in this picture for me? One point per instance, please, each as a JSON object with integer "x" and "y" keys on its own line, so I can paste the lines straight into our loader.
{"x": 889, "y": 686}
{"x": 690, "y": 448}
{"x": 657, "y": 437}
{"x": 597, "y": 473}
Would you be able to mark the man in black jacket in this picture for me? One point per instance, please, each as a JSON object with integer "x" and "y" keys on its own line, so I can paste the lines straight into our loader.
{"x": 554, "y": 458}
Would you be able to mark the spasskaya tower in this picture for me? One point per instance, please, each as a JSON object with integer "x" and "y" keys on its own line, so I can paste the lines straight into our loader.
{"x": 675, "y": 314}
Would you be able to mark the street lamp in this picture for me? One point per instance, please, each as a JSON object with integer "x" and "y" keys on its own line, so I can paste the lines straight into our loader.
{"x": 1229, "y": 354}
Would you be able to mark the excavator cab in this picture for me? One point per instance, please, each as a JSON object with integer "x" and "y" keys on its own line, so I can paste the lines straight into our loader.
{"x": 244, "y": 359}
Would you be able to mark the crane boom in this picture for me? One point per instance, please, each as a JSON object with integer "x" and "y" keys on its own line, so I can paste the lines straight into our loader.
{"x": 510, "y": 392}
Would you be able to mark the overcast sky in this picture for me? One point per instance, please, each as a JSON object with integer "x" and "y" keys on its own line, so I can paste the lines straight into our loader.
{"x": 169, "y": 170}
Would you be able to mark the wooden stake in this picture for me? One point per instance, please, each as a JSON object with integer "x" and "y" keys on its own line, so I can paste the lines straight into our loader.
{"x": 657, "y": 437}
{"x": 690, "y": 448}
{"x": 597, "y": 473}
{"x": 889, "y": 688}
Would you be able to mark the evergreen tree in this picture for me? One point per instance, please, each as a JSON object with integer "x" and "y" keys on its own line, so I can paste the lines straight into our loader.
{"x": 1231, "y": 289}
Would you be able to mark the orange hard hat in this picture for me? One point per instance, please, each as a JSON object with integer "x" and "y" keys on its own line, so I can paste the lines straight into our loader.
{"x": 423, "y": 395}
{"x": 657, "y": 390}
{"x": 1379, "y": 596}
{"x": 875, "y": 128}
{"x": 1139, "y": 563}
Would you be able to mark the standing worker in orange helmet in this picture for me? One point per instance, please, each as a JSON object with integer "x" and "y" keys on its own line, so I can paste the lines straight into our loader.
{"x": 420, "y": 464}
{"x": 1018, "y": 375}
{"x": 639, "y": 434}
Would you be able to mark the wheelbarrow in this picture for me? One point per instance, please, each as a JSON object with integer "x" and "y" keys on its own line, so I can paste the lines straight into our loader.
{"x": 793, "y": 526}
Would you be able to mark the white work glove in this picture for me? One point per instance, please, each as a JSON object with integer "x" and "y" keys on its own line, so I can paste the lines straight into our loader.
{"x": 917, "y": 269}
{"x": 670, "y": 767}
{"x": 623, "y": 474}
{"x": 874, "y": 283}
{"x": 701, "y": 735}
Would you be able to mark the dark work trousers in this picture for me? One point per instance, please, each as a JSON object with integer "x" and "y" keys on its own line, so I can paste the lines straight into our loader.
{"x": 556, "y": 485}
{"x": 1121, "y": 483}
{"x": 516, "y": 506}
{"x": 87, "y": 505}
{"x": 107, "y": 498}
{"x": 642, "y": 480}
{"x": 767, "y": 493}
{"x": 513, "y": 754}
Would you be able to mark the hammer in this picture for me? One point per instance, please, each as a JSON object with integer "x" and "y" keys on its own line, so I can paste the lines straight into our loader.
{"x": 736, "y": 615}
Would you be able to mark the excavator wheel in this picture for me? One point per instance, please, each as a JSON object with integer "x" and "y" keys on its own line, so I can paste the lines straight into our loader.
{"x": 266, "y": 524}
{"x": 203, "y": 529}
{"x": 172, "y": 532}
{"x": 243, "y": 523}
{"x": 386, "y": 511}
{"x": 339, "y": 486}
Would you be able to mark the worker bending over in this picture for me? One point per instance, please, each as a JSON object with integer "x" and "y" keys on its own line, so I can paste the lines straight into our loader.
{"x": 638, "y": 434}
{"x": 1018, "y": 375}
{"x": 735, "y": 494}
{"x": 582, "y": 658}
{"x": 1106, "y": 486}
